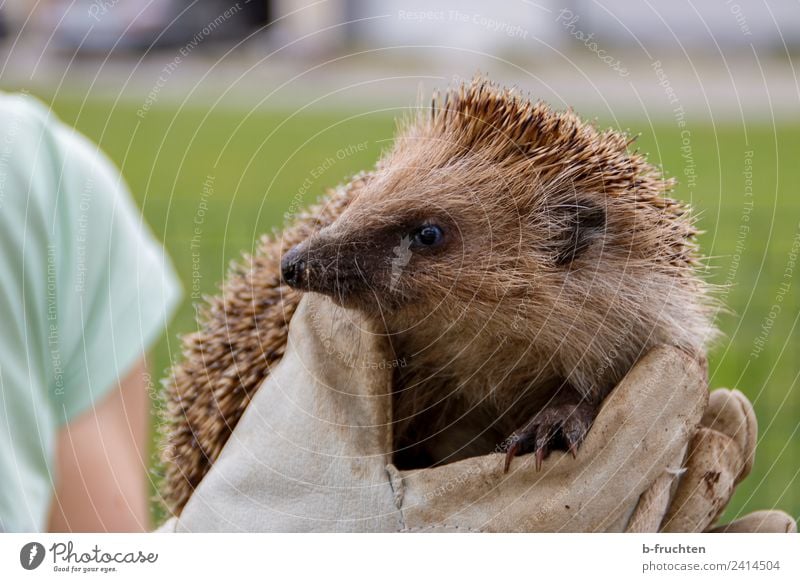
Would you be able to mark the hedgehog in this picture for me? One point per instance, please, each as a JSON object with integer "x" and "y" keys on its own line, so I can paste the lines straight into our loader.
{"x": 519, "y": 259}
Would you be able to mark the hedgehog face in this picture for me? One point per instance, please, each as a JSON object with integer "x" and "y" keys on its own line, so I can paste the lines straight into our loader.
{"x": 383, "y": 264}
{"x": 421, "y": 241}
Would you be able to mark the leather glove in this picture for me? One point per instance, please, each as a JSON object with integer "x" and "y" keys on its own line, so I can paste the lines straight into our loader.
{"x": 721, "y": 455}
{"x": 313, "y": 452}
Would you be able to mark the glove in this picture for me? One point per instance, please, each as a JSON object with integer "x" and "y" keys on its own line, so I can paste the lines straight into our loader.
{"x": 721, "y": 454}
{"x": 313, "y": 452}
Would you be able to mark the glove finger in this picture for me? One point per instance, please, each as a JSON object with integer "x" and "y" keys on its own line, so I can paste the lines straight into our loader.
{"x": 767, "y": 521}
{"x": 652, "y": 506}
{"x": 714, "y": 463}
{"x": 730, "y": 412}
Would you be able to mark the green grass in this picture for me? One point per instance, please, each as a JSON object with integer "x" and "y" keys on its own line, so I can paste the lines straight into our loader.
{"x": 259, "y": 163}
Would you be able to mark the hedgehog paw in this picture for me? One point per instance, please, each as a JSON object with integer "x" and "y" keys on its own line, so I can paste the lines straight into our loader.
{"x": 560, "y": 425}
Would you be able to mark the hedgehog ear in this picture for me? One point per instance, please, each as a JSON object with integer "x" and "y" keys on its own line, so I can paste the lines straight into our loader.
{"x": 580, "y": 224}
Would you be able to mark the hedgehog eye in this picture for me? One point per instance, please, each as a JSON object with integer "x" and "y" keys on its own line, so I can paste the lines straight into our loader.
{"x": 429, "y": 236}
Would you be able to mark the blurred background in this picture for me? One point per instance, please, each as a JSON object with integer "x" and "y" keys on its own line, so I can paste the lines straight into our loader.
{"x": 221, "y": 113}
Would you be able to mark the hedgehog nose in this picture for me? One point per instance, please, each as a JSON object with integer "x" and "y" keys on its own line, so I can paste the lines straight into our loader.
{"x": 292, "y": 268}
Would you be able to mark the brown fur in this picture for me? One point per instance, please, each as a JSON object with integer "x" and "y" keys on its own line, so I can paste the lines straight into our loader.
{"x": 564, "y": 261}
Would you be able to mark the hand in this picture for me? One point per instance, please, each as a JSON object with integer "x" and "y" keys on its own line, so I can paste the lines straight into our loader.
{"x": 631, "y": 455}
{"x": 313, "y": 452}
{"x": 720, "y": 456}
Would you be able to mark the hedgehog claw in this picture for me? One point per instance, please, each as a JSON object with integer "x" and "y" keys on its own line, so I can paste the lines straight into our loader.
{"x": 541, "y": 452}
{"x": 510, "y": 454}
{"x": 561, "y": 425}
{"x": 575, "y": 427}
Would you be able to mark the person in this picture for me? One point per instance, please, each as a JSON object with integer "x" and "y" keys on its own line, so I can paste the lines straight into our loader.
{"x": 85, "y": 290}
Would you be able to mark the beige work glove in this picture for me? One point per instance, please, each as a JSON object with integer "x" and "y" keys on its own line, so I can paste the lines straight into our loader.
{"x": 313, "y": 453}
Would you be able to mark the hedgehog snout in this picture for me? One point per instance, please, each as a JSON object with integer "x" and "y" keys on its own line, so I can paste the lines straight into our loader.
{"x": 293, "y": 267}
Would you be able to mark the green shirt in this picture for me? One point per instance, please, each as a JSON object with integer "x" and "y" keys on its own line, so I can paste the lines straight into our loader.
{"x": 85, "y": 289}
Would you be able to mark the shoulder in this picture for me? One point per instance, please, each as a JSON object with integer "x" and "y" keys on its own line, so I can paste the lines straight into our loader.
{"x": 29, "y": 158}
{"x": 24, "y": 121}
